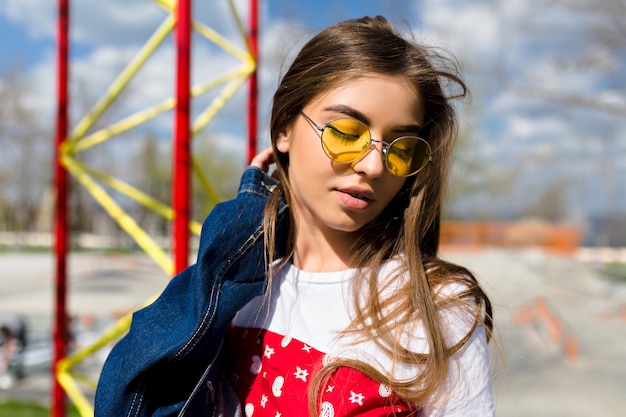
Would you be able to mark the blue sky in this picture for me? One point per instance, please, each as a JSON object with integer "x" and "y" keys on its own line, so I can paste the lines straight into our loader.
{"x": 512, "y": 53}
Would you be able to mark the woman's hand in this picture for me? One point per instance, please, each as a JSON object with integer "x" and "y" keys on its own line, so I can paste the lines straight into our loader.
{"x": 263, "y": 160}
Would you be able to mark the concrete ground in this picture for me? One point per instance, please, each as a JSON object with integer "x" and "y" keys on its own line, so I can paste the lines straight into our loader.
{"x": 559, "y": 349}
{"x": 101, "y": 289}
{"x": 562, "y": 330}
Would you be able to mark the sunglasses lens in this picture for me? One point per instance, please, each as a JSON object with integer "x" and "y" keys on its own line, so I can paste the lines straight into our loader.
{"x": 407, "y": 155}
{"x": 345, "y": 140}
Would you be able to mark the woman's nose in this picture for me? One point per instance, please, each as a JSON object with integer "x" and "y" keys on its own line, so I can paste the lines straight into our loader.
{"x": 371, "y": 164}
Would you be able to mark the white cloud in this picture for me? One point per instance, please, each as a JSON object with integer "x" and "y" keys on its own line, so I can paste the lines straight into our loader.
{"x": 520, "y": 127}
{"x": 38, "y": 18}
{"x": 114, "y": 21}
{"x": 470, "y": 29}
{"x": 612, "y": 98}
{"x": 40, "y": 95}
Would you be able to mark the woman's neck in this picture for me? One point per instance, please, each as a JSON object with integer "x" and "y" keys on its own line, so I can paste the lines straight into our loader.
{"x": 322, "y": 250}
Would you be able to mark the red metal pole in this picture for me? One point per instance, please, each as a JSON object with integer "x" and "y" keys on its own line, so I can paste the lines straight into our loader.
{"x": 181, "y": 172}
{"x": 253, "y": 90}
{"x": 61, "y": 213}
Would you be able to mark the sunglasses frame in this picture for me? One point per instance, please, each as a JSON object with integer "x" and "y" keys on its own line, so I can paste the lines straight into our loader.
{"x": 385, "y": 145}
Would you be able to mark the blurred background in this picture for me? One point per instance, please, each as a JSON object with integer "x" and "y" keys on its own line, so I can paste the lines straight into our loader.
{"x": 536, "y": 203}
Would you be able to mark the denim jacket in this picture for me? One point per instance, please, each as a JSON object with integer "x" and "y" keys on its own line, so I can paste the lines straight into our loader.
{"x": 169, "y": 362}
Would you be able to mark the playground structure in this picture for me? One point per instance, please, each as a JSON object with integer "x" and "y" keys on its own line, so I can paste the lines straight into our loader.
{"x": 69, "y": 145}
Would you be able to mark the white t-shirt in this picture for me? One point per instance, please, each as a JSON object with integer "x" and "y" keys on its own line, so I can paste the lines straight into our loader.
{"x": 307, "y": 311}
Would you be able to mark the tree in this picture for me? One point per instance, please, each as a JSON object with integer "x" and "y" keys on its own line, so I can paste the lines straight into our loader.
{"x": 154, "y": 176}
{"x": 25, "y": 161}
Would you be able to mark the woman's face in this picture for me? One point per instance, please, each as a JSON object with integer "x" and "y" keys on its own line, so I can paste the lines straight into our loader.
{"x": 344, "y": 197}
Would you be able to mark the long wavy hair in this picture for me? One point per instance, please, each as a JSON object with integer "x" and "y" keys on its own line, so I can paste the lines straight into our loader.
{"x": 408, "y": 228}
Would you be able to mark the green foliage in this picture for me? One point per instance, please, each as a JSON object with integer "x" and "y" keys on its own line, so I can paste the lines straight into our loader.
{"x": 15, "y": 408}
{"x": 222, "y": 170}
{"x": 615, "y": 271}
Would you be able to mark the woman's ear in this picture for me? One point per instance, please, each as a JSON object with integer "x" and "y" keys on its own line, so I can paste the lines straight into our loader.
{"x": 282, "y": 142}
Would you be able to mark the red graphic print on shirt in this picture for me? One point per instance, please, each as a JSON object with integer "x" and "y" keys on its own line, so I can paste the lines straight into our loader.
{"x": 271, "y": 375}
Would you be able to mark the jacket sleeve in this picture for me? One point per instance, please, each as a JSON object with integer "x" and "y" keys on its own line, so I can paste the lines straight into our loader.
{"x": 153, "y": 370}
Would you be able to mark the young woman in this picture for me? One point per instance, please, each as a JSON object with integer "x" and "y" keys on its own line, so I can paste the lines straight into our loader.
{"x": 321, "y": 292}
{"x": 362, "y": 318}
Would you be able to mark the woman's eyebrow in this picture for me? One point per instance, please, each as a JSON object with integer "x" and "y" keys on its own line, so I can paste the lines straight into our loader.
{"x": 348, "y": 111}
{"x": 408, "y": 129}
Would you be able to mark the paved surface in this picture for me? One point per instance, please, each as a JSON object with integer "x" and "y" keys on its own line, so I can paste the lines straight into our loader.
{"x": 541, "y": 376}
{"x": 100, "y": 290}
{"x": 561, "y": 342}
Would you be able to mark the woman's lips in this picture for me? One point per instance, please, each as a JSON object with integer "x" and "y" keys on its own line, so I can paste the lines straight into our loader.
{"x": 355, "y": 199}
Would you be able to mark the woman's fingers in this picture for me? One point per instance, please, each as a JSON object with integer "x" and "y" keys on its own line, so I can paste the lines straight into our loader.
{"x": 263, "y": 159}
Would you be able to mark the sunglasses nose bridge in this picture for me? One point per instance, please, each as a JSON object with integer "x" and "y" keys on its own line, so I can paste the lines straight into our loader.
{"x": 384, "y": 146}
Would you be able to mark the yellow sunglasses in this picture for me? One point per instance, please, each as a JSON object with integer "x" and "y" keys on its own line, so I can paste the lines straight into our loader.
{"x": 347, "y": 140}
